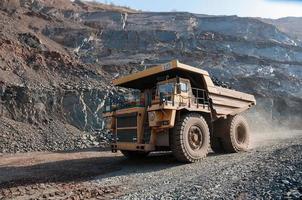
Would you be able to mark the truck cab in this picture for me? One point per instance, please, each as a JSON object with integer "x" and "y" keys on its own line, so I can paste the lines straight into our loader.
{"x": 172, "y": 107}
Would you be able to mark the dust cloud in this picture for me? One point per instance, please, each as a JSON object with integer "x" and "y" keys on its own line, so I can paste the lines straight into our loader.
{"x": 266, "y": 137}
{"x": 265, "y": 131}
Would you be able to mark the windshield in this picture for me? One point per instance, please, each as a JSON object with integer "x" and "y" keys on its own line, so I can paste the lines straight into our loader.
{"x": 132, "y": 97}
{"x": 166, "y": 88}
{"x": 127, "y": 99}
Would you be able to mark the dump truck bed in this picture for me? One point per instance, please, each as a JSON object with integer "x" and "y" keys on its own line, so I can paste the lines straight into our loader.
{"x": 230, "y": 102}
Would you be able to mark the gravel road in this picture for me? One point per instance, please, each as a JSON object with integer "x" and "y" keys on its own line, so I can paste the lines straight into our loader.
{"x": 271, "y": 170}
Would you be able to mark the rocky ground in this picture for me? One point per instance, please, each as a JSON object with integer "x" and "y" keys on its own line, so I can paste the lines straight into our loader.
{"x": 21, "y": 137}
{"x": 271, "y": 170}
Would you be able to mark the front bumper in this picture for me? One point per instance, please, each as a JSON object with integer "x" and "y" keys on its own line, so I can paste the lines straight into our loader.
{"x": 131, "y": 147}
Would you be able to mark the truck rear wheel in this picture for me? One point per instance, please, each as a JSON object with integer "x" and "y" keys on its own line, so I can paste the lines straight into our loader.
{"x": 190, "y": 139}
{"x": 134, "y": 154}
{"x": 237, "y": 134}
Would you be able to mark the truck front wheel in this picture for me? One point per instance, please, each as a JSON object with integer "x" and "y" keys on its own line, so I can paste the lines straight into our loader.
{"x": 190, "y": 139}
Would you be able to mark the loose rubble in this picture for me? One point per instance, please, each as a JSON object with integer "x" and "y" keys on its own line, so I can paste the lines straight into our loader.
{"x": 61, "y": 191}
{"x": 20, "y": 137}
{"x": 270, "y": 172}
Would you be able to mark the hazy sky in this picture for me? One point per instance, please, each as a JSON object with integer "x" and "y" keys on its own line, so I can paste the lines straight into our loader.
{"x": 253, "y": 8}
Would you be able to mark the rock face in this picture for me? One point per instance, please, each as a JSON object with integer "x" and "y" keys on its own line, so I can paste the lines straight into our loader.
{"x": 57, "y": 59}
{"x": 290, "y": 25}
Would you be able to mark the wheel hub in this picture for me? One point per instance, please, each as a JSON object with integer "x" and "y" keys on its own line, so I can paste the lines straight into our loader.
{"x": 195, "y": 137}
{"x": 240, "y": 134}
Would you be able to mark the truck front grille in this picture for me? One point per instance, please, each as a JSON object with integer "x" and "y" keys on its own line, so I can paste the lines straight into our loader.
{"x": 126, "y": 125}
{"x": 126, "y": 135}
{"x": 126, "y": 120}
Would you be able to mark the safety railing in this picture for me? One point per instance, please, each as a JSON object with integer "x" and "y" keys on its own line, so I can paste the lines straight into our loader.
{"x": 198, "y": 98}
{"x": 201, "y": 97}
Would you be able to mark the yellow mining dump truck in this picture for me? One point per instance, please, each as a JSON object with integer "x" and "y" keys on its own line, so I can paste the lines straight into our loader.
{"x": 176, "y": 107}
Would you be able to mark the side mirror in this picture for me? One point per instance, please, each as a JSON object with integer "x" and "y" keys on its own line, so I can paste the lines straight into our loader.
{"x": 178, "y": 88}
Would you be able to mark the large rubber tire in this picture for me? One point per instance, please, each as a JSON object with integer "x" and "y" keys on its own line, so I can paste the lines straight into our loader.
{"x": 190, "y": 139}
{"x": 236, "y": 137}
{"x": 134, "y": 154}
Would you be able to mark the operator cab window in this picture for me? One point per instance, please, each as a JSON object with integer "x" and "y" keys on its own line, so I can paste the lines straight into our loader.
{"x": 166, "y": 88}
{"x": 184, "y": 87}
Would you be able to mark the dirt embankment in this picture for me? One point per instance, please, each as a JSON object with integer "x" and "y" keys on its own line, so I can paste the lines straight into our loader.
{"x": 49, "y": 100}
